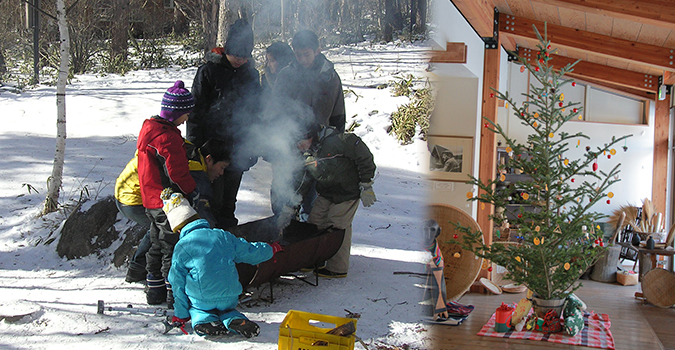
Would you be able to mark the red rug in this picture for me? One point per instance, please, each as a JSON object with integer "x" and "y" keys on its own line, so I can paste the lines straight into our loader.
{"x": 595, "y": 334}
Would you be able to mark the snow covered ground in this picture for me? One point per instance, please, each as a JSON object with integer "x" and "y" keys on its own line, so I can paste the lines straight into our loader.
{"x": 104, "y": 116}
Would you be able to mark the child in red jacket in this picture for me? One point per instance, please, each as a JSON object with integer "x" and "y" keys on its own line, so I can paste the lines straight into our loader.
{"x": 162, "y": 163}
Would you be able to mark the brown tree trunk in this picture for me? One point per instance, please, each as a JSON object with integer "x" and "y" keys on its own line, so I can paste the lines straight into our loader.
{"x": 209, "y": 17}
{"x": 119, "y": 44}
{"x": 388, "y": 22}
{"x": 359, "y": 21}
{"x": 422, "y": 12}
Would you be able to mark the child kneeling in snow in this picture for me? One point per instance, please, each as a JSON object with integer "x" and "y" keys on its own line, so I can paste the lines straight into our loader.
{"x": 203, "y": 271}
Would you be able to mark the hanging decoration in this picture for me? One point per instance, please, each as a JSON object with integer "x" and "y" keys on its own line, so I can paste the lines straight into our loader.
{"x": 595, "y": 165}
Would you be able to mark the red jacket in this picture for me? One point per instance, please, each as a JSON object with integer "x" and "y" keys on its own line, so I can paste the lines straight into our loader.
{"x": 162, "y": 161}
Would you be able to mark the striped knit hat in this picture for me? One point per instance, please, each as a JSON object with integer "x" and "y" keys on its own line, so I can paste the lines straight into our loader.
{"x": 176, "y": 101}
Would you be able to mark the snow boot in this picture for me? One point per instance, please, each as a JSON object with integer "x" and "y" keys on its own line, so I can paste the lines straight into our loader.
{"x": 134, "y": 276}
{"x": 245, "y": 327}
{"x": 155, "y": 290}
{"x": 169, "y": 296}
{"x": 211, "y": 328}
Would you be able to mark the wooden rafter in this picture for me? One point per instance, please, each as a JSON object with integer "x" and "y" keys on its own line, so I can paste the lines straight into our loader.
{"x": 655, "y": 12}
{"x": 616, "y": 77}
{"x": 454, "y": 53}
{"x": 479, "y": 13}
{"x": 668, "y": 78}
{"x": 607, "y": 46}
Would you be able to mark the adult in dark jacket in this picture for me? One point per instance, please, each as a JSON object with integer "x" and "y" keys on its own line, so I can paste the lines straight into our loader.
{"x": 343, "y": 168}
{"x": 277, "y": 56}
{"x": 310, "y": 91}
{"x": 226, "y": 90}
{"x": 313, "y": 82}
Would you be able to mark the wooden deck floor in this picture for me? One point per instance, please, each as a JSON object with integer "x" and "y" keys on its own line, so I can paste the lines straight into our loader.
{"x": 630, "y": 327}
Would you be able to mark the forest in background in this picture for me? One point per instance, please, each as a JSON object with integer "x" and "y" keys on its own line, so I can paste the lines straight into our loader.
{"x": 116, "y": 36}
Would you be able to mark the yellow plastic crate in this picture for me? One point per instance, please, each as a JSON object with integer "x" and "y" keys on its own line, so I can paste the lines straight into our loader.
{"x": 297, "y": 332}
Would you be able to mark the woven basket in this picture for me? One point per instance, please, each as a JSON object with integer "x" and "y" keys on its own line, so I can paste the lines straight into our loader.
{"x": 460, "y": 272}
{"x": 658, "y": 287}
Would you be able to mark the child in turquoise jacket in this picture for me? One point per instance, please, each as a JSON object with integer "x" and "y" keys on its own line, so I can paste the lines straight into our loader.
{"x": 203, "y": 271}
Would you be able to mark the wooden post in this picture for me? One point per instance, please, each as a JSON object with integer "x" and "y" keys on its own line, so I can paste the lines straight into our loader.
{"x": 488, "y": 145}
{"x": 660, "y": 168}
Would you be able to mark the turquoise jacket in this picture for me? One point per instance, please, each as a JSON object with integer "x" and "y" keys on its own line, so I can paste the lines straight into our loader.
{"x": 203, "y": 267}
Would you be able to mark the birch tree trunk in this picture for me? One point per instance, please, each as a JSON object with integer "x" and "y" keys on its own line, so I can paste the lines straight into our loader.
{"x": 54, "y": 183}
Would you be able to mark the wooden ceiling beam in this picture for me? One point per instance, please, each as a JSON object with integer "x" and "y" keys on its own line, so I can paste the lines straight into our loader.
{"x": 480, "y": 14}
{"x": 654, "y": 12}
{"x": 604, "y": 45}
{"x": 598, "y": 72}
{"x": 668, "y": 78}
{"x": 618, "y": 89}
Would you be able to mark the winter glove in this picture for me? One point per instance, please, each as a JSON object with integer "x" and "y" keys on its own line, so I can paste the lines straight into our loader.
{"x": 367, "y": 194}
{"x": 284, "y": 219}
{"x": 276, "y": 247}
{"x": 180, "y": 323}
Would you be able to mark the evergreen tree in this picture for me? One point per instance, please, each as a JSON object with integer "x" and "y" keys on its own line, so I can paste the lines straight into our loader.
{"x": 558, "y": 240}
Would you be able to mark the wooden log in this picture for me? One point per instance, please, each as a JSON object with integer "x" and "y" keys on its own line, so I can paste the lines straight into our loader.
{"x": 605, "y": 269}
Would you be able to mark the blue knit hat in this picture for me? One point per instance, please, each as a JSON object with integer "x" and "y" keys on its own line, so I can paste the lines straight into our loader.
{"x": 177, "y": 101}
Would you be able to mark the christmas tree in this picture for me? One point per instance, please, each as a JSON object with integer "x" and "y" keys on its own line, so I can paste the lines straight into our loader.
{"x": 558, "y": 240}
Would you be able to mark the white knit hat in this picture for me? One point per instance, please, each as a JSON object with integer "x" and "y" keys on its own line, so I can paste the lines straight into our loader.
{"x": 178, "y": 210}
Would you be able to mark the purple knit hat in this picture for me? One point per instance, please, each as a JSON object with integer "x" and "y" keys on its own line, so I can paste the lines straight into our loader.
{"x": 177, "y": 101}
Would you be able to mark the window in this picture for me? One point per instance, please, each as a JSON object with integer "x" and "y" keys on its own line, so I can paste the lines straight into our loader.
{"x": 598, "y": 105}
{"x": 608, "y": 107}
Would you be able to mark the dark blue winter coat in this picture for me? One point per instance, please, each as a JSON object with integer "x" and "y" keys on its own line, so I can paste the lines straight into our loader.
{"x": 203, "y": 267}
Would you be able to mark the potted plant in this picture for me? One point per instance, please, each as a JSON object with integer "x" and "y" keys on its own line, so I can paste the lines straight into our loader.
{"x": 557, "y": 239}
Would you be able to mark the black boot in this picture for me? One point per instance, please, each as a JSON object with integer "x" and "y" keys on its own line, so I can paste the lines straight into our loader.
{"x": 245, "y": 327}
{"x": 155, "y": 290}
{"x": 211, "y": 328}
{"x": 134, "y": 276}
{"x": 169, "y": 296}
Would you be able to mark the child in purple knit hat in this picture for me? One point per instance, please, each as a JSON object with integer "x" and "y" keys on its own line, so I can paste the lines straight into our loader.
{"x": 177, "y": 101}
{"x": 163, "y": 162}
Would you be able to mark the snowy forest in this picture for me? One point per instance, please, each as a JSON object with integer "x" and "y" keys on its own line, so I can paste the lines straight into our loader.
{"x": 117, "y": 36}
{"x": 114, "y": 77}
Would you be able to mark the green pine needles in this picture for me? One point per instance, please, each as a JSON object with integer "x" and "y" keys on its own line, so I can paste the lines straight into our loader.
{"x": 558, "y": 240}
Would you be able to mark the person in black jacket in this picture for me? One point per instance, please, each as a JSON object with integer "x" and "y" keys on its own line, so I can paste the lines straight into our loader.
{"x": 226, "y": 90}
{"x": 308, "y": 91}
{"x": 277, "y": 56}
